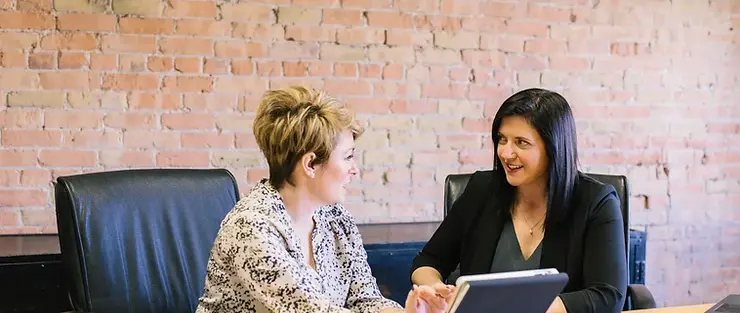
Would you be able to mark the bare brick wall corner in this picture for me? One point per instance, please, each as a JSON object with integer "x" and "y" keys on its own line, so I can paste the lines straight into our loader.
{"x": 655, "y": 85}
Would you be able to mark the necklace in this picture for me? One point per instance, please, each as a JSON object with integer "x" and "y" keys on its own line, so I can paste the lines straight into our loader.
{"x": 531, "y": 228}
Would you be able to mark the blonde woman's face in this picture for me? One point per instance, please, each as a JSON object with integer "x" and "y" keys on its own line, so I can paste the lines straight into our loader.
{"x": 333, "y": 177}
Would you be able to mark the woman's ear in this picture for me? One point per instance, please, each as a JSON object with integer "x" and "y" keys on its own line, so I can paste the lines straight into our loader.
{"x": 307, "y": 164}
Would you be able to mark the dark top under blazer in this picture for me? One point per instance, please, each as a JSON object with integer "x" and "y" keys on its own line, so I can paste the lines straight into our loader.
{"x": 589, "y": 244}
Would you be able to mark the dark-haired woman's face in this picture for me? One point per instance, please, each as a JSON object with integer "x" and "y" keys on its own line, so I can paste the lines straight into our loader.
{"x": 522, "y": 152}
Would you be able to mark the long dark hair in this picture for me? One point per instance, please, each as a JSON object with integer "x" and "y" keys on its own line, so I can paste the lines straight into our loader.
{"x": 550, "y": 115}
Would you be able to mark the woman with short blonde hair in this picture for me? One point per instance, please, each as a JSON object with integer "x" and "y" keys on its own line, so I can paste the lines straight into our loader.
{"x": 289, "y": 245}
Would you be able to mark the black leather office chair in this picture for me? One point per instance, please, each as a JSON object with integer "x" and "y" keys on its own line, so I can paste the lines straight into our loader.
{"x": 139, "y": 240}
{"x": 638, "y": 296}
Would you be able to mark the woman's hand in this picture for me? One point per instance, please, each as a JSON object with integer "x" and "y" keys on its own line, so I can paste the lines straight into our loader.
{"x": 428, "y": 299}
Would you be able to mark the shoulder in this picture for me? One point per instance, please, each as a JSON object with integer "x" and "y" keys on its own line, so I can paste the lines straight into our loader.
{"x": 339, "y": 220}
{"x": 257, "y": 215}
{"x": 591, "y": 194}
{"x": 479, "y": 181}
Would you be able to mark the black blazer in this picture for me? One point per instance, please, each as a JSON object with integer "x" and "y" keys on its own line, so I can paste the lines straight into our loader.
{"x": 589, "y": 244}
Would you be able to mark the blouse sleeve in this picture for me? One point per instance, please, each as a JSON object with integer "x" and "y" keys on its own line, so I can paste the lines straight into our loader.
{"x": 263, "y": 267}
{"x": 364, "y": 294}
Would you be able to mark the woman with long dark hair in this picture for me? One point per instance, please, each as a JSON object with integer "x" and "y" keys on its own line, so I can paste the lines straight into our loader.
{"x": 534, "y": 209}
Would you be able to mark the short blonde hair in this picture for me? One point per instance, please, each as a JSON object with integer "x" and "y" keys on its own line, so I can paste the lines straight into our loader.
{"x": 296, "y": 120}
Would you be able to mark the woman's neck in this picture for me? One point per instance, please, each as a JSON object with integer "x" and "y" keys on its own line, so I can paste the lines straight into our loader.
{"x": 532, "y": 199}
{"x": 299, "y": 205}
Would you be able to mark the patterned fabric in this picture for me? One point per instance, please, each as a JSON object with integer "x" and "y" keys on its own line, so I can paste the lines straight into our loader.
{"x": 257, "y": 265}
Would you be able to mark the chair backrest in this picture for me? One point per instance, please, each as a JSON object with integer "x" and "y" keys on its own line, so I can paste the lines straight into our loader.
{"x": 455, "y": 185}
{"x": 139, "y": 240}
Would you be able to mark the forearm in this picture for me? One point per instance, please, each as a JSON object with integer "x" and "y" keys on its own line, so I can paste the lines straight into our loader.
{"x": 392, "y": 310}
{"x": 426, "y": 275}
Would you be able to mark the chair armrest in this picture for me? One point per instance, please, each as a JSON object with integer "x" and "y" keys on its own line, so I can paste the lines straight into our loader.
{"x": 640, "y": 297}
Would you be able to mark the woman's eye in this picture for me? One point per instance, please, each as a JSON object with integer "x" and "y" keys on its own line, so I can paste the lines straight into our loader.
{"x": 522, "y": 143}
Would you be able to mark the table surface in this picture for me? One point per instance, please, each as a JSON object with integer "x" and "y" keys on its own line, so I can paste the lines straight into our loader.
{"x": 701, "y": 308}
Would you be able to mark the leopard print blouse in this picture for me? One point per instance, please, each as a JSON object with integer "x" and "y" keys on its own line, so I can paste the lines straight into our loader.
{"x": 257, "y": 265}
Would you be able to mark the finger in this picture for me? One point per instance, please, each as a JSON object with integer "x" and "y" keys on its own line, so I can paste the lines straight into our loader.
{"x": 431, "y": 298}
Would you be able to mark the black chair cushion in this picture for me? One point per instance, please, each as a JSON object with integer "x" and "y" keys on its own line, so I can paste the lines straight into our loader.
{"x": 139, "y": 240}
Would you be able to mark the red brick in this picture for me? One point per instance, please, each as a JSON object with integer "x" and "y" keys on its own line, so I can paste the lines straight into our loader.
{"x": 137, "y": 25}
{"x": 42, "y": 60}
{"x": 397, "y": 54}
{"x": 86, "y": 22}
{"x": 488, "y": 59}
{"x": 160, "y": 64}
{"x": 187, "y": 84}
{"x": 6, "y": 4}
{"x": 298, "y": 15}
{"x": 129, "y": 43}
{"x": 545, "y": 47}
{"x": 72, "y": 119}
{"x": 31, "y": 138}
{"x": 348, "y": 87}
{"x": 253, "y": 85}
{"x": 529, "y": 29}
{"x": 156, "y": 101}
{"x": 35, "y": 177}
{"x": 127, "y": 158}
{"x": 130, "y": 82}
{"x": 546, "y": 12}
{"x": 182, "y": 159}
{"x": 132, "y": 62}
{"x": 342, "y": 53}
{"x": 210, "y": 102}
{"x": 457, "y": 40}
{"x": 188, "y": 65}
{"x": 203, "y": 27}
{"x": 239, "y": 49}
{"x": 18, "y": 157}
{"x": 150, "y": 139}
{"x": 247, "y": 12}
{"x": 270, "y": 68}
{"x": 345, "y": 69}
{"x": 342, "y": 17}
{"x": 260, "y": 32}
{"x": 72, "y": 60}
{"x": 130, "y": 120}
{"x": 293, "y": 50}
{"x": 527, "y": 63}
{"x": 369, "y": 105}
{"x": 401, "y": 37}
{"x": 390, "y": 20}
{"x": 310, "y": 33}
{"x": 93, "y": 138}
{"x": 69, "y": 41}
{"x": 242, "y": 67}
{"x": 296, "y": 68}
{"x": 187, "y": 121}
{"x": 188, "y": 46}
{"x": 200, "y": 9}
{"x": 26, "y": 20}
{"x": 103, "y": 62}
{"x": 376, "y": 70}
{"x": 438, "y": 23}
{"x": 214, "y": 66}
{"x": 413, "y": 106}
{"x": 363, "y": 36}
{"x": 208, "y": 140}
{"x": 450, "y": 91}
{"x": 19, "y": 80}
{"x": 11, "y": 59}
{"x": 67, "y": 158}
{"x": 21, "y": 198}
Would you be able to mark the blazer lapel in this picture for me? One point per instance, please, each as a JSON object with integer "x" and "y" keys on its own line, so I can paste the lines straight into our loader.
{"x": 485, "y": 238}
{"x": 555, "y": 247}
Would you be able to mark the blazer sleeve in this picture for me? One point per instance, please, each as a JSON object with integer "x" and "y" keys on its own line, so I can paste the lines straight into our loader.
{"x": 442, "y": 251}
{"x": 262, "y": 267}
{"x": 604, "y": 263}
{"x": 364, "y": 294}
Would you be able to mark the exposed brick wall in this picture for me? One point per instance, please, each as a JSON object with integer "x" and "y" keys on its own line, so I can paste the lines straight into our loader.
{"x": 95, "y": 85}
